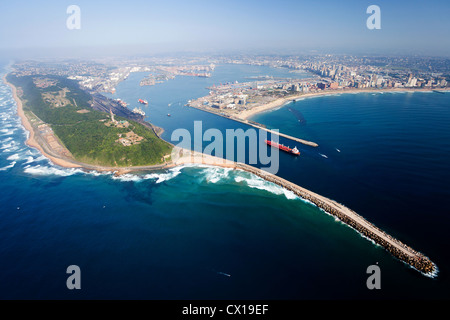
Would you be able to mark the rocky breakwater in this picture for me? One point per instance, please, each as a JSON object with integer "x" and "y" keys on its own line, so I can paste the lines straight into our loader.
{"x": 398, "y": 249}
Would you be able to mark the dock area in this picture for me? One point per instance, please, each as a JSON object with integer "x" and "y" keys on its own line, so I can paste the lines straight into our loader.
{"x": 259, "y": 126}
{"x": 305, "y": 142}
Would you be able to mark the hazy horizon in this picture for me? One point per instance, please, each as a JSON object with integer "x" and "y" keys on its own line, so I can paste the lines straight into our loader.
{"x": 283, "y": 27}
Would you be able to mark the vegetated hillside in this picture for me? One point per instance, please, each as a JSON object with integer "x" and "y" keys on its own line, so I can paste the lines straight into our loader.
{"x": 85, "y": 134}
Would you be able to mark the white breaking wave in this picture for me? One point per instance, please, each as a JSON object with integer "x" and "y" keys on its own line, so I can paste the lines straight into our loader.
{"x": 323, "y": 155}
{"x": 7, "y": 145}
{"x": 128, "y": 177}
{"x": 98, "y": 173}
{"x": 9, "y": 148}
{"x": 33, "y": 152}
{"x": 48, "y": 171}
{"x": 12, "y": 164}
{"x": 10, "y": 123}
{"x": 7, "y": 132}
{"x": 260, "y": 183}
{"x": 13, "y": 157}
{"x": 215, "y": 174}
{"x": 160, "y": 177}
{"x": 30, "y": 159}
{"x": 212, "y": 174}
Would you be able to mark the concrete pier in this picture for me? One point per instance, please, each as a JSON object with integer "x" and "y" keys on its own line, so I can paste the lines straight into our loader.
{"x": 259, "y": 126}
{"x": 305, "y": 142}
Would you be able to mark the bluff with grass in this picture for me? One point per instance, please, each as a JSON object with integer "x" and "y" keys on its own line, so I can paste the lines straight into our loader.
{"x": 82, "y": 129}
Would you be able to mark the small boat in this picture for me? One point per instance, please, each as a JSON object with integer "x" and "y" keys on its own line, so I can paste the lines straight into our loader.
{"x": 168, "y": 114}
{"x": 223, "y": 273}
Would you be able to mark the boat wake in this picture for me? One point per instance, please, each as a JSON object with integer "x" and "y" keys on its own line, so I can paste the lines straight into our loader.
{"x": 223, "y": 273}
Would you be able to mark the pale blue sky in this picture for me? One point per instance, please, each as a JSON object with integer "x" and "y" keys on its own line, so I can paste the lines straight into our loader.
{"x": 407, "y": 26}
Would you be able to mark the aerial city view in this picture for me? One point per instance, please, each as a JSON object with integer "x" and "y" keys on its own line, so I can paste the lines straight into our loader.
{"x": 224, "y": 151}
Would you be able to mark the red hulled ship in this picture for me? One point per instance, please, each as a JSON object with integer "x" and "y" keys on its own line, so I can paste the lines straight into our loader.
{"x": 293, "y": 151}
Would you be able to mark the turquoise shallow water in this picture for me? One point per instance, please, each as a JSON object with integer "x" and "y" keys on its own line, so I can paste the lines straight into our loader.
{"x": 172, "y": 234}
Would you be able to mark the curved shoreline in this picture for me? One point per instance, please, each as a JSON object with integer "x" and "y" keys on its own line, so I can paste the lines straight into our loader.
{"x": 399, "y": 250}
{"x": 31, "y": 141}
{"x": 245, "y": 115}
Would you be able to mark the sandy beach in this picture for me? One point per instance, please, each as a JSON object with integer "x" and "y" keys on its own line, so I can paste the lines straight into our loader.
{"x": 244, "y": 115}
{"x": 184, "y": 156}
{"x": 31, "y": 141}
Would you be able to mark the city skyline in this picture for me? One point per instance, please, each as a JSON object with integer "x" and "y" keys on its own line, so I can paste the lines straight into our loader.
{"x": 140, "y": 27}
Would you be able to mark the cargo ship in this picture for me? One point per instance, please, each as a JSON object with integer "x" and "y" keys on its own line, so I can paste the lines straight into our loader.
{"x": 293, "y": 151}
{"x": 143, "y": 101}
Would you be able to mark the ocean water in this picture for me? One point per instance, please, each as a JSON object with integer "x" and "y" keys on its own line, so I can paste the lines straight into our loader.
{"x": 177, "y": 234}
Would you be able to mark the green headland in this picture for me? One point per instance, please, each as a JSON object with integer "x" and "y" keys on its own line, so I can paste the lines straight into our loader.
{"x": 61, "y": 114}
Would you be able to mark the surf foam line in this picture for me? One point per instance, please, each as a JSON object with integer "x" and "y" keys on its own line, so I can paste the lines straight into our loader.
{"x": 41, "y": 170}
{"x": 212, "y": 173}
{"x": 215, "y": 174}
{"x": 158, "y": 177}
{"x": 12, "y": 164}
{"x": 254, "y": 181}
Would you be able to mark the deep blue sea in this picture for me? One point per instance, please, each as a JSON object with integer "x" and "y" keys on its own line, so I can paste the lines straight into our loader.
{"x": 199, "y": 232}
